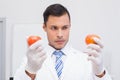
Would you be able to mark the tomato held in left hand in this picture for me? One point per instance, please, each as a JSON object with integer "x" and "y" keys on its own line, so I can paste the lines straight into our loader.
{"x": 32, "y": 39}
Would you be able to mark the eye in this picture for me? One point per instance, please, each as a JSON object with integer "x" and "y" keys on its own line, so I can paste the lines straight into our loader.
{"x": 54, "y": 28}
{"x": 65, "y": 27}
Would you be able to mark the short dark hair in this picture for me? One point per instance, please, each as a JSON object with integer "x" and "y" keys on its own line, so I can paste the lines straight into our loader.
{"x": 55, "y": 10}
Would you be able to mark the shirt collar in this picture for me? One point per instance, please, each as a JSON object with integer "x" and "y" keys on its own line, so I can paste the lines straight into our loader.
{"x": 65, "y": 50}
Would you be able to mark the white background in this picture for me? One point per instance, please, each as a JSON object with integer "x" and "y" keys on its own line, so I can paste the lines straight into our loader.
{"x": 88, "y": 16}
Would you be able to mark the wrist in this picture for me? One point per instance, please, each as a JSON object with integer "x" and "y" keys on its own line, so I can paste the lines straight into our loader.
{"x": 32, "y": 76}
{"x": 101, "y": 74}
{"x": 30, "y": 69}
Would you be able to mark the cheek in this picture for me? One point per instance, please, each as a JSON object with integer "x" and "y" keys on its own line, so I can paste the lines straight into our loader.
{"x": 50, "y": 36}
{"x": 67, "y": 34}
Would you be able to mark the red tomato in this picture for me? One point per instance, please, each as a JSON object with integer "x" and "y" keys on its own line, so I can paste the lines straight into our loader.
{"x": 89, "y": 38}
{"x": 32, "y": 39}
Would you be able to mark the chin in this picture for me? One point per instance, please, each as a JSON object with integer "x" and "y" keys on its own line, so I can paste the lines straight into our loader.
{"x": 59, "y": 47}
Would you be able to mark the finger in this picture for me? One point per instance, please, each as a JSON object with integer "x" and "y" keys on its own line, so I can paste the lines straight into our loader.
{"x": 98, "y": 42}
{"x": 87, "y": 50}
{"x": 39, "y": 49}
{"x": 90, "y": 52}
{"x": 94, "y": 47}
{"x": 36, "y": 45}
{"x": 42, "y": 58}
{"x": 91, "y": 58}
{"x": 41, "y": 53}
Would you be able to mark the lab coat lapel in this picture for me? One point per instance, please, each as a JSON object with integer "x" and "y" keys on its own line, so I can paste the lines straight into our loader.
{"x": 50, "y": 65}
{"x": 66, "y": 66}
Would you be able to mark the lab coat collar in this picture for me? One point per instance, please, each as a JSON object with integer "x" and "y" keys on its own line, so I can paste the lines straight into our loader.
{"x": 65, "y": 50}
{"x": 49, "y": 63}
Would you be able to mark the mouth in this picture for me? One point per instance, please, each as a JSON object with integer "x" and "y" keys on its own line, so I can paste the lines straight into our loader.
{"x": 60, "y": 41}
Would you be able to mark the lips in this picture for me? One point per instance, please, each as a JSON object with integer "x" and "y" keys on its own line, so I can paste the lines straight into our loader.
{"x": 60, "y": 41}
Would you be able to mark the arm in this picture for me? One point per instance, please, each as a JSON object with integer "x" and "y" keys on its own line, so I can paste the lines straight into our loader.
{"x": 34, "y": 61}
{"x": 106, "y": 76}
{"x": 94, "y": 52}
{"x": 20, "y": 74}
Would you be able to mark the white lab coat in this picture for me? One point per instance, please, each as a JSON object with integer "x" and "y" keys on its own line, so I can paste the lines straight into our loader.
{"x": 76, "y": 67}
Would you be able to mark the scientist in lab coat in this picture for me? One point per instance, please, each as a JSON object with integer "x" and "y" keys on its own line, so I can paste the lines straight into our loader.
{"x": 41, "y": 62}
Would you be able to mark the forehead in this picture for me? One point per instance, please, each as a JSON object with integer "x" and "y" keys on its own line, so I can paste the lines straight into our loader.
{"x": 58, "y": 20}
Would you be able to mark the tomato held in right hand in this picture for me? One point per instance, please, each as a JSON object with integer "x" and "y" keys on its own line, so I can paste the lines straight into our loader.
{"x": 32, "y": 39}
{"x": 90, "y": 38}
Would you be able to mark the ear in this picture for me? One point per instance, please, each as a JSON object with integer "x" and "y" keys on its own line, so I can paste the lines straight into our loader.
{"x": 44, "y": 27}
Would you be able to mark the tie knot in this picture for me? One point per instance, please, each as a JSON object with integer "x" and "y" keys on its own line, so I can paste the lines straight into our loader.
{"x": 58, "y": 53}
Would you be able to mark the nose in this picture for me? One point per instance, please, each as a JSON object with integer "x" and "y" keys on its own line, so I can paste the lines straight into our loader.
{"x": 60, "y": 34}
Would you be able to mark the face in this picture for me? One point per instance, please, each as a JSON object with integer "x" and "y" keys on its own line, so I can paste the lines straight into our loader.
{"x": 57, "y": 29}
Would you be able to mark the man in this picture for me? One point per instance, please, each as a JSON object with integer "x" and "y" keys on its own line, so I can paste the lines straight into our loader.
{"x": 59, "y": 61}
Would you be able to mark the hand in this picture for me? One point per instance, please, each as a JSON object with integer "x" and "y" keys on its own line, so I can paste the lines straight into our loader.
{"x": 94, "y": 55}
{"x": 35, "y": 57}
